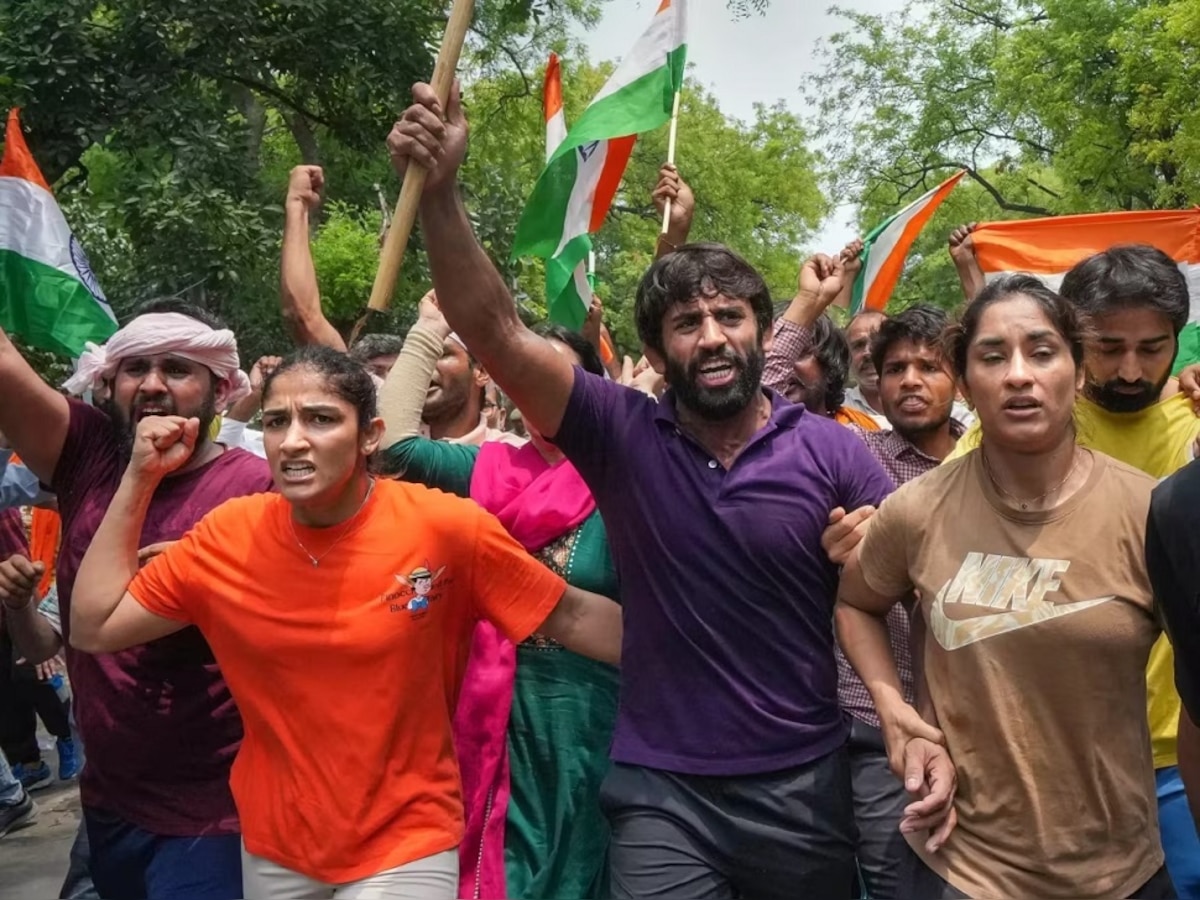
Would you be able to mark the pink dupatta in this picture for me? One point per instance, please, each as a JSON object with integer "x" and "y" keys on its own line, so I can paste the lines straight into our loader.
{"x": 537, "y": 503}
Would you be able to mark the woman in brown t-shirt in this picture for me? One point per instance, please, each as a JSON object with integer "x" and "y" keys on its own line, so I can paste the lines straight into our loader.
{"x": 1026, "y": 556}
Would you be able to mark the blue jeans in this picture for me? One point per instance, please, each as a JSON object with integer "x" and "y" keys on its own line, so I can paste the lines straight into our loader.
{"x": 1180, "y": 842}
{"x": 127, "y": 861}
{"x": 10, "y": 788}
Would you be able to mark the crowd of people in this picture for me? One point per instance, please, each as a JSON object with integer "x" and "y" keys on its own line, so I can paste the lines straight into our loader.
{"x": 485, "y": 611}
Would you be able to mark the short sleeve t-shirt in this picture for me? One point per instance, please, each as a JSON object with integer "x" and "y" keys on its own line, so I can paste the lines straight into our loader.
{"x": 728, "y": 665}
{"x": 1039, "y": 625}
{"x": 159, "y": 725}
{"x": 347, "y": 673}
{"x": 1157, "y": 440}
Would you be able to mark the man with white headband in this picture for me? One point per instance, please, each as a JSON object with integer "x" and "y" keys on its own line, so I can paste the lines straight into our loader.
{"x": 160, "y": 727}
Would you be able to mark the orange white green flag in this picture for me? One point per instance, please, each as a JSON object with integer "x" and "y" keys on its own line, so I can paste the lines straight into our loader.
{"x": 583, "y": 172}
{"x": 568, "y": 290}
{"x": 48, "y": 293}
{"x": 1049, "y": 248}
{"x": 886, "y": 248}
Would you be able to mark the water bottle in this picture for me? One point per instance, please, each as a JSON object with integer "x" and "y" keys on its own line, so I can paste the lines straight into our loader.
{"x": 59, "y": 683}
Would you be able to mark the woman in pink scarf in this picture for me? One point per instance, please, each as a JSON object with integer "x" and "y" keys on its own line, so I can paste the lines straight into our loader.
{"x": 534, "y": 721}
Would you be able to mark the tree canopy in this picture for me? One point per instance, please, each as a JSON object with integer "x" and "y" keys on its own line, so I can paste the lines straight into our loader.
{"x": 169, "y": 129}
{"x": 1053, "y": 107}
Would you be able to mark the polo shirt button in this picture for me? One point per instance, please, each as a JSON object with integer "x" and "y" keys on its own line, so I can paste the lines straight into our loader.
{"x": 712, "y": 463}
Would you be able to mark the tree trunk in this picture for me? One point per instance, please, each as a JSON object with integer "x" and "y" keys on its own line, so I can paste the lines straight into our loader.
{"x": 256, "y": 124}
{"x": 306, "y": 141}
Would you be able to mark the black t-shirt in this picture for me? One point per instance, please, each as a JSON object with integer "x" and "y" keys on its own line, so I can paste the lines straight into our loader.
{"x": 1173, "y": 562}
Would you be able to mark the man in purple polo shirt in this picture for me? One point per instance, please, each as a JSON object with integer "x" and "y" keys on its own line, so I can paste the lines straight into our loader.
{"x": 731, "y": 777}
{"x": 160, "y": 727}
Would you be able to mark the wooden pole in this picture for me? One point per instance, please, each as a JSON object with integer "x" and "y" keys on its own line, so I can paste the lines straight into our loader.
{"x": 405, "y": 214}
{"x": 671, "y": 157}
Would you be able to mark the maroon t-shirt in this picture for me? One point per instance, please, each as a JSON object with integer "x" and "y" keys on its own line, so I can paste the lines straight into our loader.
{"x": 158, "y": 723}
{"x": 12, "y": 534}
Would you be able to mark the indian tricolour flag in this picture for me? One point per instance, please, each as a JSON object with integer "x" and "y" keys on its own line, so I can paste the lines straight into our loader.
{"x": 48, "y": 294}
{"x": 1049, "y": 248}
{"x": 575, "y": 190}
{"x": 886, "y": 248}
{"x": 568, "y": 291}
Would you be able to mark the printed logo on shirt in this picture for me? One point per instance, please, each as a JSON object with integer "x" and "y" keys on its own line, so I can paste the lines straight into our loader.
{"x": 1014, "y": 587}
{"x": 416, "y": 591}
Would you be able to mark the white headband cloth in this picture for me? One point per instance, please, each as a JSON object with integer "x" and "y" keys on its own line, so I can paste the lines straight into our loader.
{"x": 156, "y": 334}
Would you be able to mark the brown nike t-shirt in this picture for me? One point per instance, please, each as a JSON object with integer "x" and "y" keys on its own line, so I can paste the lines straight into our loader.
{"x": 1039, "y": 625}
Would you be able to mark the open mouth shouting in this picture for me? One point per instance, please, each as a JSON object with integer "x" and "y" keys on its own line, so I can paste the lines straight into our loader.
{"x": 1024, "y": 406}
{"x": 297, "y": 471}
{"x": 717, "y": 373}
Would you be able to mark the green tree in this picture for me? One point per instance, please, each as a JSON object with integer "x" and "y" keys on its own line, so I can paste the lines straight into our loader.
{"x": 756, "y": 186}
{"x": 1052, "y": 107}
{"x": 169, "y": 128}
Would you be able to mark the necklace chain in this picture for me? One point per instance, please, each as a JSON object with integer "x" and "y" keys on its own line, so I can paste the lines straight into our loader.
{"x": 1026, "y": 502}
{"x": 316, "y": 560}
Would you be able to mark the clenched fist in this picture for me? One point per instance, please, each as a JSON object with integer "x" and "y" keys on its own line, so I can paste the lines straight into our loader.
{"x": 431, "y": 137}
{"x": 305, "y": 185}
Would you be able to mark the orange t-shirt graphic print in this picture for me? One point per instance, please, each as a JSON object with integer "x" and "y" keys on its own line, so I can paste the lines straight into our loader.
{"x": 346, "y": 673}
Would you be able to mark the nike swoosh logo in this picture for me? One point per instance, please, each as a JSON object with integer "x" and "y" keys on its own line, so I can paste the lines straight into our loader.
{"x": 954, "y": 634}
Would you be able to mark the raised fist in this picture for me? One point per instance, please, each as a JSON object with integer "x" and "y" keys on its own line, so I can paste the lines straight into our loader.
{"x": 305, "y": 185}
{"x": 431, "y": 137}
{"x": 162, "y": 444}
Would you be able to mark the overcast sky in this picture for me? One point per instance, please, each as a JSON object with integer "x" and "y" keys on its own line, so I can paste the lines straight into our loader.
{"x": 760, "y": 59}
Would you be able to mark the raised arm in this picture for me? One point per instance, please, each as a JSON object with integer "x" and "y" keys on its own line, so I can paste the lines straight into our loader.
{"x": 105, "y": 617}
{"x": 299, "y": 295}
{"x": 402, "y": 397}
{"x": 962, "y": 251}
{"x": 246, "y": 408}
{"x": 33, "y": 416}
{"x": 820, "y": 283}
{"x": 472, "y": 294}
{"x": 683, "y": 208}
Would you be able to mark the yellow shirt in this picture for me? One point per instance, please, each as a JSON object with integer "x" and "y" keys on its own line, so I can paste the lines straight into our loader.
{"x": 1158, "y": 440}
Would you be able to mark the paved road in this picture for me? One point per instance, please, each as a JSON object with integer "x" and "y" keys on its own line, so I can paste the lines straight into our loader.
{"x": 33, "y": 860}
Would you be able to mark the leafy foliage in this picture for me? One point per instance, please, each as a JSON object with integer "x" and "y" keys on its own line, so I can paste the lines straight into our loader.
{"x": 169, "y": 130}
{"x": 1053, "y": 107}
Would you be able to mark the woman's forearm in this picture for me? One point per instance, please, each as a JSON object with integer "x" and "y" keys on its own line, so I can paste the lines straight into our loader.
{"x": 863, "y": 637}
{"x": 111, "y": 561}
{"x": 588, "y": 624}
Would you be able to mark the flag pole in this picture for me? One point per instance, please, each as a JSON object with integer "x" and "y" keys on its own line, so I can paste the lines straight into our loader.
{"x": 405, "y": 214}
{"x": 671, "y": 157}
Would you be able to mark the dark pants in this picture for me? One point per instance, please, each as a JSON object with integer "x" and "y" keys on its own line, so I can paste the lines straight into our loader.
{"x": 784, "y": 834}
{"x": 879, "y": 801}
{"x": 920, "y": 882}
{"x": 23, "y": 700}
{"x": 128, "y": 862}
{"x": 77, "y": 885}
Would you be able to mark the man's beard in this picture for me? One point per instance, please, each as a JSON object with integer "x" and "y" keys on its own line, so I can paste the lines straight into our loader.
{"x": 718, "y": 404}
{"x": 1106, "y": 395}
{"x": 911, "y": 432}
{"x": 124, "y": 429}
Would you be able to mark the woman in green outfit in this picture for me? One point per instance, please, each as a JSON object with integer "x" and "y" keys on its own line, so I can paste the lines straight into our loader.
{"x": 534, "y": 722}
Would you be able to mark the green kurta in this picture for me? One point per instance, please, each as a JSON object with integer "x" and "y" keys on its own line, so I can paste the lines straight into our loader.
{"x": 563, "y": 712}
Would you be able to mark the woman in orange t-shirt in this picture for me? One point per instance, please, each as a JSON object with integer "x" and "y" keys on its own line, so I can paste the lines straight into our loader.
{"x": 340, "y": 611}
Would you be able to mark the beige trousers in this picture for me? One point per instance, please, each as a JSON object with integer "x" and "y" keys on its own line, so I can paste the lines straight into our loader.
{"x": 432, "y": 878}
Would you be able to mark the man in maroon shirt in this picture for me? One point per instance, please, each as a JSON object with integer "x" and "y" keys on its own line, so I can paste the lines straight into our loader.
{"x": 160, "y": 727}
